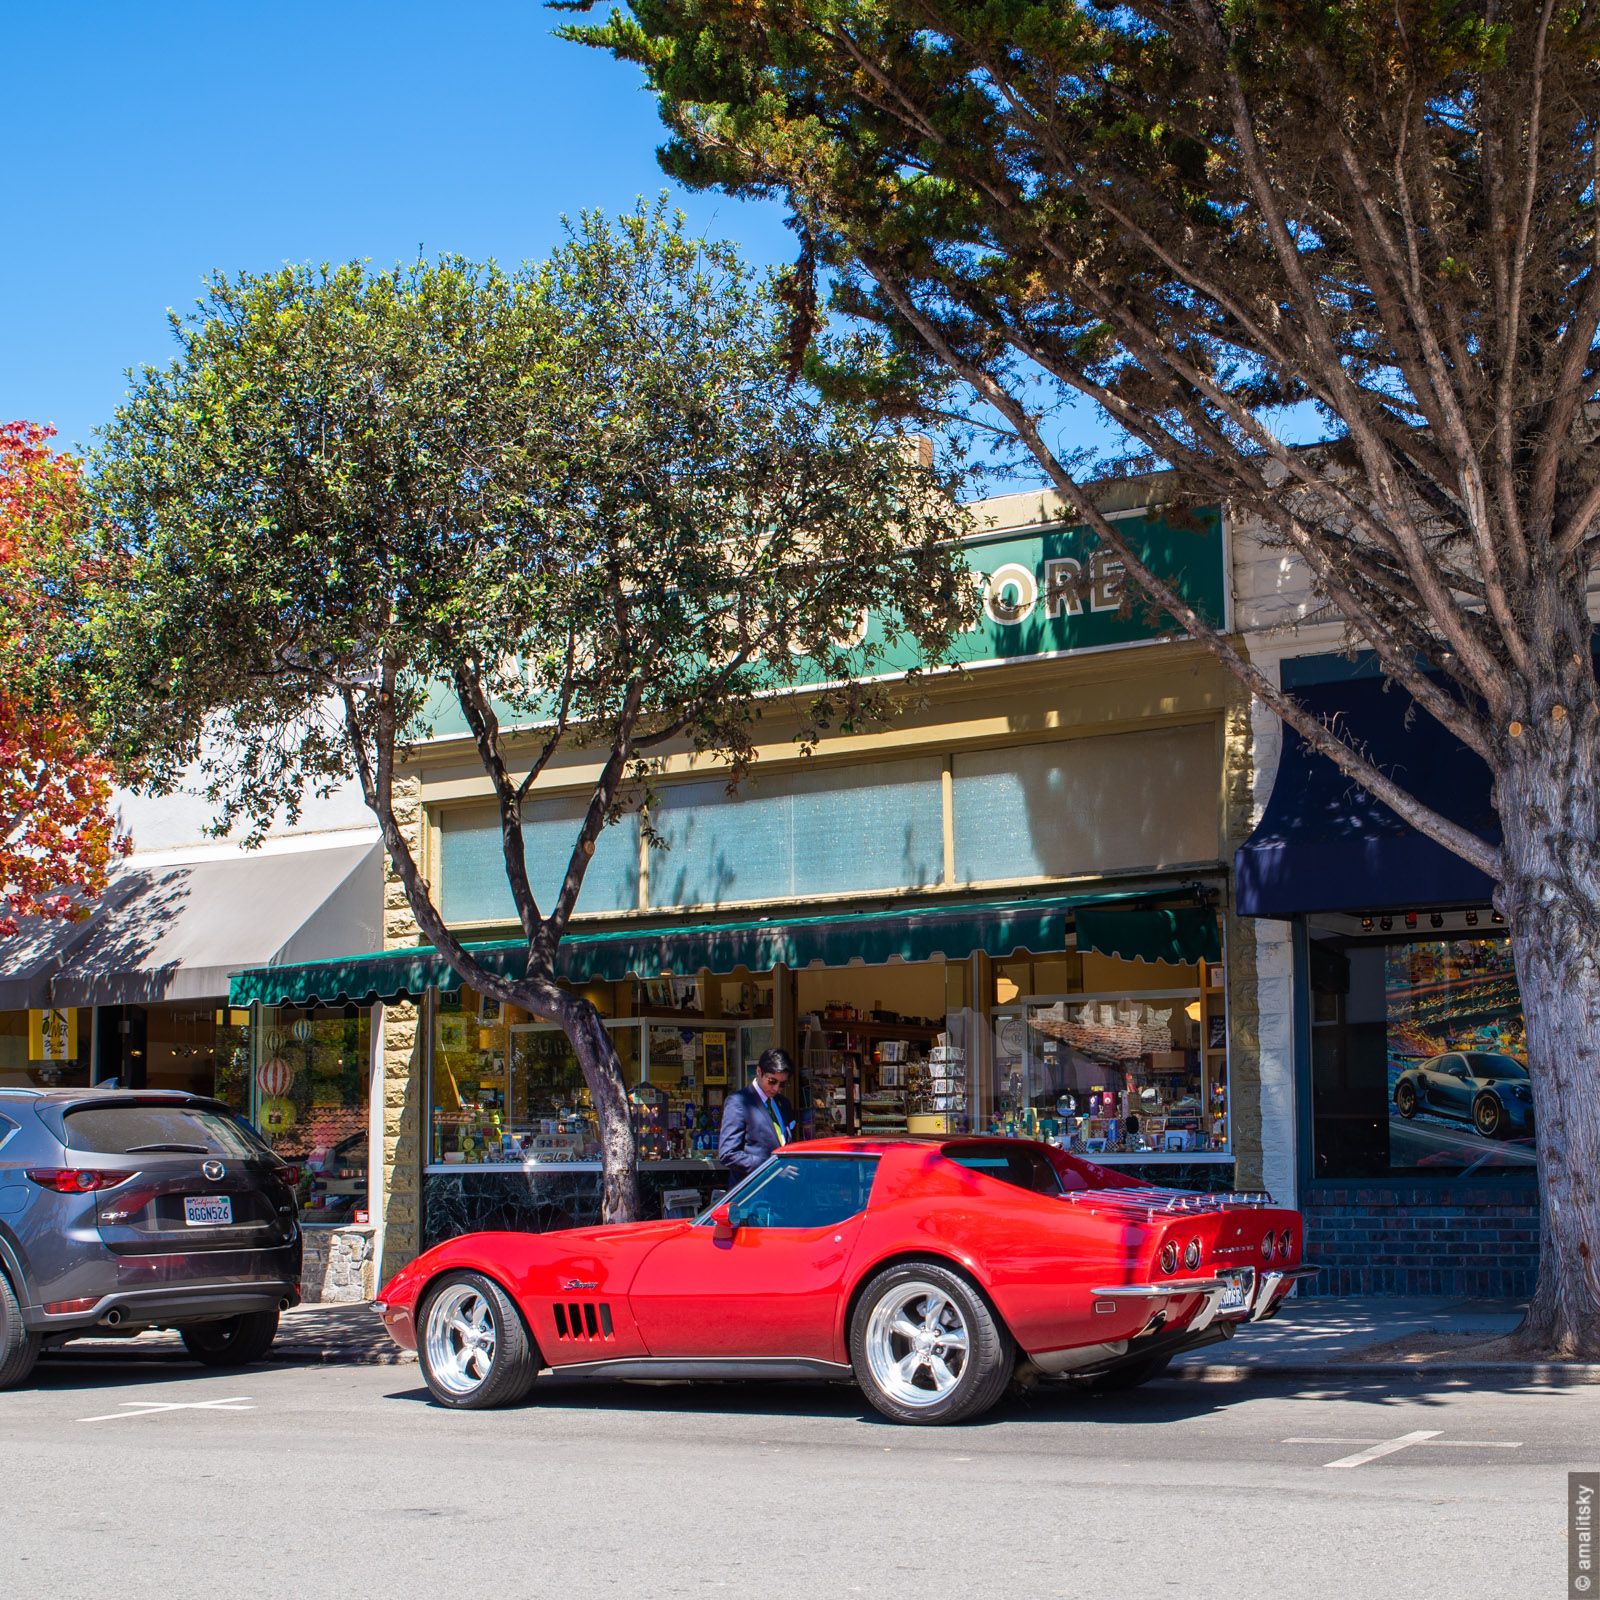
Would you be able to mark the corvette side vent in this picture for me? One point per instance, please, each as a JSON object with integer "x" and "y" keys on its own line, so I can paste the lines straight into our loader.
{"x": 583, "y": 1319}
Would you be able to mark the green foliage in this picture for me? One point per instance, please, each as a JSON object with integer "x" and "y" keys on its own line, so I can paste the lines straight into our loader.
{"x": 579, "y": 496}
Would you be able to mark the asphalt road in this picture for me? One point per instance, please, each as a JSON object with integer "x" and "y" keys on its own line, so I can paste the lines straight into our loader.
{"x": 345, "y": 1481}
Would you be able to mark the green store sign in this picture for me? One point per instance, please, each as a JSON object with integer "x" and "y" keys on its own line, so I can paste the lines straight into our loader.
{"x": 1053, "y": 591}
{"x": 1046, "y": 591}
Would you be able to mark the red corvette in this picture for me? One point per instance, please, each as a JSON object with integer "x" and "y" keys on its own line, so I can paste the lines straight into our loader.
{"x": 931, "y": 1271}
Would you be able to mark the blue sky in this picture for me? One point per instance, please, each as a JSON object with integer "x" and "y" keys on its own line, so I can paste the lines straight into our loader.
{"x": 151, "y": 143}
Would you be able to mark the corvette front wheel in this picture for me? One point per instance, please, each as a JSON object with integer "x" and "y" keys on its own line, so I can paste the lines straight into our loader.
{"x": 926, "y": 1347}
{"x": 473, "y": 1347}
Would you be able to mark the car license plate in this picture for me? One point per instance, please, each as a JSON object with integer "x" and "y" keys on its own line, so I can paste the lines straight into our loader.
{"x": 207, "y": 1211}
{"x": 1236, "y": 1297}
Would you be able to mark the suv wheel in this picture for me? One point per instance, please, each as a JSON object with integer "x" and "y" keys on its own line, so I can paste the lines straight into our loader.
{"x": 233, "y": 1342}
{"x": 19, "y": 1349}
{"x": 926, "y": 1347}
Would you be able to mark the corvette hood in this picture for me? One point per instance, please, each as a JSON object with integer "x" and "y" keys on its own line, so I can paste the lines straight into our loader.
{"x": 604, "y": 1258}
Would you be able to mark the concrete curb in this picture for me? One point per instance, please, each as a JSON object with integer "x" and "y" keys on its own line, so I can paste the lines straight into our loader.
{"x": 1556, "y": 1374}
{"x": 333, "y": 1356}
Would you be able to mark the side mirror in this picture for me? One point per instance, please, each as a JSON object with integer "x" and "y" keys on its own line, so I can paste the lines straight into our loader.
{"x": 722, "y": 1228}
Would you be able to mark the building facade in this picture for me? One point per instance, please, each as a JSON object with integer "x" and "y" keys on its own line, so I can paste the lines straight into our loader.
{"x": 136, "y": 996}
{"x": 1010, "y": 909}
{"x": 1081, "y": 889}
{"x": 1396, "y": 1108}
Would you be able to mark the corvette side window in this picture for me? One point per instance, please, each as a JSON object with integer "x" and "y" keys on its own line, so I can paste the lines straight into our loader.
{"x": 805, "y": 1192}
{"x": 1015, "y": 1164}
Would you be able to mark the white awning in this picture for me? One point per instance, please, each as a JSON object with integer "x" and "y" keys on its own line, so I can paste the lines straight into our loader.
{"x": 176, "y": 932}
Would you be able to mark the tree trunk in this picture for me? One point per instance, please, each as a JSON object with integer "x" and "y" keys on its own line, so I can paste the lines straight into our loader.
{"x": 1548, "y": 798}
{"x": 602, "y": 1072}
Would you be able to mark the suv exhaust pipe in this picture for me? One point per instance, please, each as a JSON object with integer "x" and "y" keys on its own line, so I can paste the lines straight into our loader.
{"x": 115, "y": 1317}
{"x": 284, "y": 1303}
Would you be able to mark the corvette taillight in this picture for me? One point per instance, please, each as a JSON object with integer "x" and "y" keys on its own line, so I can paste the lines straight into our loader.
{"x": 1191, "y": 1254}
{"x": 76, "y": 1180}
{"x": 1285, "y": 1245}
{"x": 1266, "y": 1245}
{"x": 1169, "y": 1257}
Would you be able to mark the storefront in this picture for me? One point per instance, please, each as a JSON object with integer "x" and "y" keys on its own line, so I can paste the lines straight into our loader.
{"x": 1007, "y": 911}
{"x": 1415, "y": 1128}
{"x": 136, "y": 997}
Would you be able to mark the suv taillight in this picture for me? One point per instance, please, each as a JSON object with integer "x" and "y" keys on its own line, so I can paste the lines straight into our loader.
{"x": 76, "y": 1180}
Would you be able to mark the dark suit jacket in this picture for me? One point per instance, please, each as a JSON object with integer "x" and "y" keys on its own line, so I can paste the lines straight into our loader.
{"x": 748, "y": 1136}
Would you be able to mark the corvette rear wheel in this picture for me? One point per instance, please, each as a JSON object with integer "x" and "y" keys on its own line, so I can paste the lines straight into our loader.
{"x": 926, "y": 1347}
{"x": 475, "y": 1351}
{"x": 1129, "y": 1376}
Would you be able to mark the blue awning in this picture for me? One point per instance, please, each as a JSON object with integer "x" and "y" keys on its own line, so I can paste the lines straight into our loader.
{"x": 1326, "y": 844}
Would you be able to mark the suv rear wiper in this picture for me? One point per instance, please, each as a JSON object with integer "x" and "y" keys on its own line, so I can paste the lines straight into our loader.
{"x": 182, "y": 1149}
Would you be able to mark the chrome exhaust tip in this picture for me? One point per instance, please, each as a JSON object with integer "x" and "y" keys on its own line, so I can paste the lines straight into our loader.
{"x": 115, "y": 1317}
{"x": 285, "y": 1303}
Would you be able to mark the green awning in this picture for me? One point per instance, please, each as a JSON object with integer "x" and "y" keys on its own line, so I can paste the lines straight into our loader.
{"x": 1181, "y": 935}
{"x": 914, "y": 933}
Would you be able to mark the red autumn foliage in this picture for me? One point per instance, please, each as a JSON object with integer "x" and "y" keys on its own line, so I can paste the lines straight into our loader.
{"x": 58, "y": 834}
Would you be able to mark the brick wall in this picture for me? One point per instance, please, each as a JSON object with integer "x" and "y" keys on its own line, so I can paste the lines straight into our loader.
{"x": 1417, "y": 1241}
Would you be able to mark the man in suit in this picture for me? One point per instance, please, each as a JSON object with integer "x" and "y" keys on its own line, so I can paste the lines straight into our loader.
{"x": 757, "y": 1120}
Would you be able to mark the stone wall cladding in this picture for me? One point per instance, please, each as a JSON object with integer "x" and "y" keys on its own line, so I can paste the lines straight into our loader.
{"x": 1469, "y": 1243}
{"x": 338, "y": 1266}
{"x": 404, "y": 1066}
{"x": 1244, "y": 1031}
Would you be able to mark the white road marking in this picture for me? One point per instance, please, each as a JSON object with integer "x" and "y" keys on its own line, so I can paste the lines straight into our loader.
{"x": 1387, "y": 1447}
{"x": 148, "y": 1408}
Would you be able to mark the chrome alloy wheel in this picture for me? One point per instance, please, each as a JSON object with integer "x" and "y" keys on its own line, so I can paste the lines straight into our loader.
{"x": 917, "y": 1344}
{"x": 460, "y": 1339}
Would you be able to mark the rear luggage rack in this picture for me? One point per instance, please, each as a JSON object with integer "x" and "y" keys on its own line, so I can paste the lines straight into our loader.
{"x": 1152, "y": 1202}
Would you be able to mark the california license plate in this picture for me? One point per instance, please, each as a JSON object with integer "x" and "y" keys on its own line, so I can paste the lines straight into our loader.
{"x": 1236, "y": 1297}
{"x": 207, "y": 1211}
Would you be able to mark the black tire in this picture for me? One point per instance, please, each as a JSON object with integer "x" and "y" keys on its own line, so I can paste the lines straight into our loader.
{"x": 1120, "y": 1379}
{"x": 513, "y": 1362}
{"x": 985, "y": 1370}
{"x": 19, "y": 1348}
{"x": 1488, "y": 1116}
{"x": 1405, "y": 1098}
{"x": 234, "y": 1341}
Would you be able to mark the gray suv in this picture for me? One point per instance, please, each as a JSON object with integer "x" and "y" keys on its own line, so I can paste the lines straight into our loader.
{"x": 122, "y": 1210}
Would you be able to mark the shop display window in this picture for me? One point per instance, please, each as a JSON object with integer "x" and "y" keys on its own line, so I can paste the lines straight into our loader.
{"x": 1109, "y": 1057}
{"x": 1418, "y": 1052}
{"x": 311, "y": 1102}
{"x": 510, "y": 1091}
{"x": 18, "y": 1069}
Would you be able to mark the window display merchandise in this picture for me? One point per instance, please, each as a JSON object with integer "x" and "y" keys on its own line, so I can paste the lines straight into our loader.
{"x": 1125, "y": 1071}
{"x": 1094, "y": 1053}
{"x": 311, "y": 1102}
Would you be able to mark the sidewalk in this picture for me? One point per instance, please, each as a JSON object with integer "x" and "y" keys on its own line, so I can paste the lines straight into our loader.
{"x": 1378, "y": 1337}
{"x": 1422, "y": 1338}
{"x": 310, "y": 1335}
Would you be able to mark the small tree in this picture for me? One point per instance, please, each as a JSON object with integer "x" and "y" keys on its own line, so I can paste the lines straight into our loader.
{"x": 1199, "y": 216}
{"x": 578, "y": 503}
{"x": 58, "y": 833}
